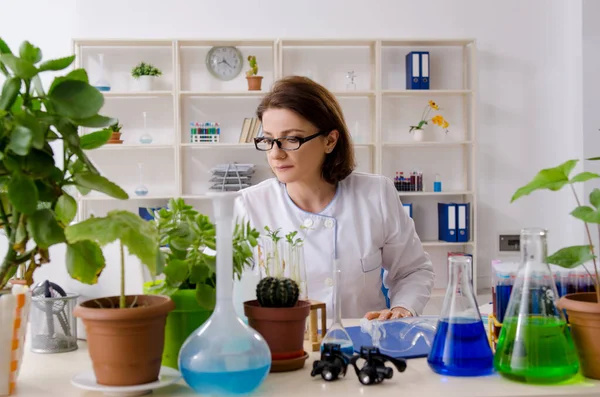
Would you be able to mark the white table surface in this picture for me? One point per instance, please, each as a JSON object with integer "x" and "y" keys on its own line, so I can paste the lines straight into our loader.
{"x": 45, "y": 375}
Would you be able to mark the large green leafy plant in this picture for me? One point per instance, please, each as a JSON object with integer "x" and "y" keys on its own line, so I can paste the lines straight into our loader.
{"x": 36, "y": 192}
{"x": 190, "y": 262}
{"x": 555, "y": 179}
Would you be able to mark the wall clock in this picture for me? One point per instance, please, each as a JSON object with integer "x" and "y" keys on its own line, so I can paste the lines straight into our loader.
{"x": 224, "y": 63}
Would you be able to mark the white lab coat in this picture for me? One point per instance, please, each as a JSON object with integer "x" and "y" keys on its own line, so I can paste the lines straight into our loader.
{"x": 366, "y": 226}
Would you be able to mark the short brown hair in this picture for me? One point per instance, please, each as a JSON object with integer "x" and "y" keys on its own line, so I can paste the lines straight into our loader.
{"x": 316, "y": 104}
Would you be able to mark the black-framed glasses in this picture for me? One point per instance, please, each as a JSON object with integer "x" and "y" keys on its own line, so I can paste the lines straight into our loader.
{"x": 287, "y": 143}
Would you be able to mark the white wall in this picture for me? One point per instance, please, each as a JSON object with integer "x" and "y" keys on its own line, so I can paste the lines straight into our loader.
{"x": 529, "y": 85}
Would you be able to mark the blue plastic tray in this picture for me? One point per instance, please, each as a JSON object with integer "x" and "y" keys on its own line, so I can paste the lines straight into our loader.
{"x": 413, "y": 346}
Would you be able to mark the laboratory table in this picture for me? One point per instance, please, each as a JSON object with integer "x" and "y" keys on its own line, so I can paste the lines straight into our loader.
{"x": 45, "y": 375}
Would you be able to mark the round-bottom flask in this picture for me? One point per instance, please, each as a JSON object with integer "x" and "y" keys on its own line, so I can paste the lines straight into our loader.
{"x": 224, "y": 356}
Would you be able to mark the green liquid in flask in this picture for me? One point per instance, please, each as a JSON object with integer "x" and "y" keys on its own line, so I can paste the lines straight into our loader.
{"x": 542, "y": 351}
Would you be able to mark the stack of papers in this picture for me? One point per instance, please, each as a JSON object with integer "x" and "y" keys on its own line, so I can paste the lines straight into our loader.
{"x": 231, "y": 177}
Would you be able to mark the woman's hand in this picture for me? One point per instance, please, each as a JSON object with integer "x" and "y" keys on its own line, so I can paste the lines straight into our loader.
{"x": 393, "y": 313}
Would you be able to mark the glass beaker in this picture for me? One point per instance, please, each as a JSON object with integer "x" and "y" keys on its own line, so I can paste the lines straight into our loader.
{"x": 145, "y": 138}
{"x": 102, "y": 83}
{"x": 224, "y": 356}
{"x": 141, "y": 189}
{"x": 535, "y": 343}
{"x": 336, "y": 333}
{"x": 460, "y": 346}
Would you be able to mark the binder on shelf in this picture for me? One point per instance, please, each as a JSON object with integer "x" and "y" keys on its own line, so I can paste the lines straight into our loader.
{"x": 424, "y": 61}
{"x": 408, "y": 208}
{"x": 447, "y": 222}
{"x": 413, "y": 71}
{"x": 463, "y": 217}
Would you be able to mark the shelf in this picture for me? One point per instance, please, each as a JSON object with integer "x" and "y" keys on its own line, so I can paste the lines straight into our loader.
{"x": 427, "y": 42}
{"x": 227, "y": 42}
{"x": 343, "y": 94}
{"x": 136, "y": 94}
{"x": 131, "y": 198}
{"x": 252, "y": 94}
{"x": 111, "y": 147}
{"x": 107, "y": 43}
{"x": 432, "y": 143}
{"x": 439, "y": 243}
{"x": 326, "y": 43}
{"x": 449, "y": 193}
{"x": 223, "y": 145}
{"x": 424, "y": 92}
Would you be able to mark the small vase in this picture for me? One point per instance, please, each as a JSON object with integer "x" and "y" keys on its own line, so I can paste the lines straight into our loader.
{"x": 145, "y": 83}
{"x": 254, "y": 83}
{"x": 417, "y": 135}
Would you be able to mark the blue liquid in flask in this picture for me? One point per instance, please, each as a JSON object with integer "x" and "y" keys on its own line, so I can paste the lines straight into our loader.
{"x": 461, "y": 349}
{"x": 225, "y": 383}
{"x": 460, "y": 346}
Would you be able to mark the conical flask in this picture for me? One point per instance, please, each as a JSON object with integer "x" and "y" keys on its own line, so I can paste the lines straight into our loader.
{"x": 224, "y": 356}
{"x": 535, "y": 344}
{"x": 336, "y": 333}
{"x": 460, "y": 346}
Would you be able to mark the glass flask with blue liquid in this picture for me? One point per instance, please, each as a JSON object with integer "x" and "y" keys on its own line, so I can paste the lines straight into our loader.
{"x": 460, "y": 346}
{"x": 224, "y": 356}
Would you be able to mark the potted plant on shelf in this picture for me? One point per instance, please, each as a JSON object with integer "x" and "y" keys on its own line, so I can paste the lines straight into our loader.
{"x": 583, "y": 308}
{"x": 417, "y": 130}
{"x": 254, "y": 81}
{"x": 189, "y": 272}
{"x": 36, "y": 193}
{"x": 280, "y": 317}
{"x": 145, "y": 73}
{"x": 125, "y": 333}
{"x": 115, "y": 137}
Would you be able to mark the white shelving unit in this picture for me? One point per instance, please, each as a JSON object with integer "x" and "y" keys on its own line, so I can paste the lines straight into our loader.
{"x": 378, "y": 112}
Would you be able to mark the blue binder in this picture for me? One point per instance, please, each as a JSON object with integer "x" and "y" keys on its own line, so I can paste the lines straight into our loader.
{"x": 447, "y": 222}
{"x": 462, "y": 222}
{"x": 408, "y": 208}
{"x": 424, "y": 75}
{"x": 413, "y": 71}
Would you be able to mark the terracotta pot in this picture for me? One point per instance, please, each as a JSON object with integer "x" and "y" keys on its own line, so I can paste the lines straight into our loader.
{"x": 115, "y": 138}
{"x": 282, "y": 327}
{"x": 125, "y": 345}
{"x": 583, "y": 311}
{"x": 254, "y": 83}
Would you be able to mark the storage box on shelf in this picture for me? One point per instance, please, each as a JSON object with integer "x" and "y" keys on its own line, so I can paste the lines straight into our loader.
{"x": 366, "y": 75}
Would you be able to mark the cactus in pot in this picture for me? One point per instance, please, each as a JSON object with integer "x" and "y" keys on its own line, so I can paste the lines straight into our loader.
{"x": 277, "y": 292}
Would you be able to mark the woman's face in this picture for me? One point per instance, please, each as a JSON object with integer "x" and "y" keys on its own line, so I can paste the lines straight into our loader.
{"x": 296, "y": 165}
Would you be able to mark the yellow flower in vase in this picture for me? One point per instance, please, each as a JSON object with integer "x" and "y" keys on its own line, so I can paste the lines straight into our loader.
{"x": 437, "y": 120}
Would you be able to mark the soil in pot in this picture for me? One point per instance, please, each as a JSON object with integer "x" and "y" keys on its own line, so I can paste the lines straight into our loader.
{"x": 583, "y": 312}
{"x": 282, "y": 328}
{"x": 125, "y": 345}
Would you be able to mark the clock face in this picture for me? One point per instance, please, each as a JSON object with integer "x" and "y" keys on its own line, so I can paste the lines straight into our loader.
{"x": 224, "y": 63}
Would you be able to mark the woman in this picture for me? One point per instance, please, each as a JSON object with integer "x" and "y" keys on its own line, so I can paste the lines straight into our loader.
{"x": 355, "y": 216}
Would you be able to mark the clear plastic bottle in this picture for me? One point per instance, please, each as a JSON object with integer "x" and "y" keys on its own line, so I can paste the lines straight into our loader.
{"x": 224, "y": 356}
{"x": 460, "y": 346}
{"x": 535, "y": 344}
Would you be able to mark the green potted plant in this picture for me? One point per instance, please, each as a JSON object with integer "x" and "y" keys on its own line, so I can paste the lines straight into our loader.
{"x": 115, "y": 136}
{"x": 145, "y": 74}
{"x": 189, "y": 272}
{"x": 125, "y": 333}
{"x": 254, "y": 81}
{"x": 36, "y": 191}
{"x": 583, "y": 308}
{"x": 280, "y": 317}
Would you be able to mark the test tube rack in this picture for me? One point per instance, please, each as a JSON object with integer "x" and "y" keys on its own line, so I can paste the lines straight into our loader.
{"x": 313, "y": 336}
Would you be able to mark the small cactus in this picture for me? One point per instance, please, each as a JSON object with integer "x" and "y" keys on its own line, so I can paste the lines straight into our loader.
{"x": 277, "y": 292}
{"x": 253, "y": 66}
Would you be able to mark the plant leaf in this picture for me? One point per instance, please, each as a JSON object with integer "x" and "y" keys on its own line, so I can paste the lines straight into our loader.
{"x": 85, "y": 261}
{"x": 10, "y": 91}
{"x": 39, "y": 88}
{"x": 570, "y": 257}
{"x": 550, "y": 178}
{"x": 583, "y": 177}
{"x": 96, "y": 121}
{"x": 66, "y": 209}
{"x": 595, "y": 198}
{"x": 176, "y": 271}
{"x": 594, "y": 158}
{"x": 44, "y": 228}
{"x": 30, "y": 53}
{"x": 206, "y": 296}
{"x": 57, "y": 64}
{"x": 30, "y": 122}
{"x": 140, "y": 236}
{"x": 199, "y": 273}
{"x": 95, "y": 139}
{"x": 76, "y": 99}
{"x": 20, "y": 140}
{"x": 100, "y": 184}
{"x": 586, "y": 214}
{"x": 20, "y": 67}
{"x": 39, "y": 164}
{"x": 23, "y": 194}
{"x": 77, "y": 74}
{"x": 4, "y": 48}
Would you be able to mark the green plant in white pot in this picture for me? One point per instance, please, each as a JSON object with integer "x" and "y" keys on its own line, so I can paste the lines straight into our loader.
{"x": 583, "y": 308}
{"x": 146, "y": 74}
